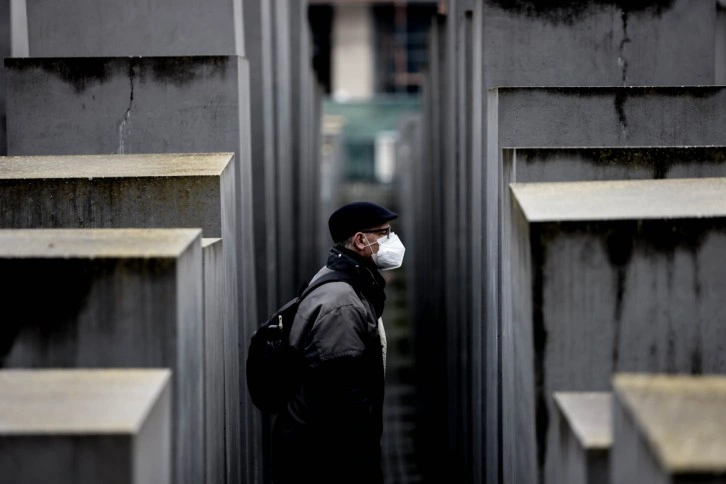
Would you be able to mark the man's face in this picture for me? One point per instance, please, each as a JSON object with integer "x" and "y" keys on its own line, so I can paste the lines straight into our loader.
{"x": 372, "y": 236}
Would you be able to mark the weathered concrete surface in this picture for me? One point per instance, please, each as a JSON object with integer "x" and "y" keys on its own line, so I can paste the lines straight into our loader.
{"x": 84, "y": 322}
{"x": 258, "y": 37}
{"x": 284, "y": 187}
{"x": 4, "y": 52}
{"x": 622, "y": 200}
{"x": 18, "y": 28}
{"x": 82, "y": 426}
{"x": 434, "y": 363}
{"x": 605, "y": 43}
{"x": 585, "y": 427}
{"x": 162, "y": 104}
{"x": 525, "y": 165}
{"x": 584, "y": 164}
{"x": 221, "y": 370}
{"x": 577, "y": 117}
{"x": 587, "y": 43}
{"x": 332, "y": 162}
{"x": 720, "y": 43}
{"x": 669, "y": 429}
{"x": 606, "y": 277}
{"x": 141, "y": 105}
{"x": 87, "y": 28}
{"x": 605, "y": 117}
{"x": 113, "y": 191}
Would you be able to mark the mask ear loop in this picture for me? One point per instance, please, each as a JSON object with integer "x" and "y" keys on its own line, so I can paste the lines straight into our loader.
{"x": 369, "y": 244}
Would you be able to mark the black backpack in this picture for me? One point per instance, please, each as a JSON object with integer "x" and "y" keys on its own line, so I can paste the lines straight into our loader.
{"x": 273, "y": 367}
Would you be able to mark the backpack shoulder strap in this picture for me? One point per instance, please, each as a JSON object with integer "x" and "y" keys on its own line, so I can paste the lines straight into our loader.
{"x": 333, "y": 276}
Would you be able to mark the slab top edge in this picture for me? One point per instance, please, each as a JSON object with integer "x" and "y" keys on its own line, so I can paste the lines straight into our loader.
{"x": 589, "y": 415}
{"x": 95, "y": 243}
{"x": 114, "y": 166}
{"x": 621, "y": 200}
{"x": 78, "y": 401}
{"x": 681, "y": 417}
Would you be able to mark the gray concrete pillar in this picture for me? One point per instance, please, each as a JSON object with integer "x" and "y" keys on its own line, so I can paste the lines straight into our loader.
{"x": 669, "y": 429}
{"x": 332, "y": 161}
{"x": 4, "y": 52}
{"x": 283, "y": 72}
{"x": 86, "y": 426}
{"x": 607, "y": 277}
{"x": 435, "y": 367}
{"x": 582, "y": 44}
{"x": 596, "y": 117}
{"x": 137, "y": 191}
{"x": 720, "y": 52}
{"x": 584, "y": 421}
{"x": 221, "y": 369}
{"x": 526, "y": 165}
{"x": 90, "y": 28}
{"x": 144, "y": 105}
{"x": 127, "y": 298}
{"x": 19, "y": 29}
{"x": 258, "y": 30}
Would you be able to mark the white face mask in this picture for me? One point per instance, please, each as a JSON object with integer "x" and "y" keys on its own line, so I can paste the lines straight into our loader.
{"x": 390, "y": 253}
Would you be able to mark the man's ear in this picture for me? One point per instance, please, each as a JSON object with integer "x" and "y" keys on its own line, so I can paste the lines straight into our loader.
{"x": 359, "y": 241}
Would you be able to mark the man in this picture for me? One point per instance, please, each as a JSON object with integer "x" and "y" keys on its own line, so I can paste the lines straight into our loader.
{"x": 331, "y": 430}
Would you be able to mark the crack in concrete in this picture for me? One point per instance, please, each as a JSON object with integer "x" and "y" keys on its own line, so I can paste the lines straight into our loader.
{"x": 623, "y": 63}
{"x": 622, "y": 60}
{"x": 124, "y": 129}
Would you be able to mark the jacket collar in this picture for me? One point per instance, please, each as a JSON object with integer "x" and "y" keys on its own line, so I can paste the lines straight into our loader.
{"x": 363, "y": 272}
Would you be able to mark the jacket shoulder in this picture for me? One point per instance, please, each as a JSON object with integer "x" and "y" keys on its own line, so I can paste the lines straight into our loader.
{"x": 331, "y": 322}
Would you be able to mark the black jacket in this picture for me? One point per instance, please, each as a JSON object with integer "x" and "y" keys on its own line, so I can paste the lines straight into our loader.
{"x": 331, "y": 430}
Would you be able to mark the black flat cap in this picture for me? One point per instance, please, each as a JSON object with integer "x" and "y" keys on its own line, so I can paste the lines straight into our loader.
{"x": 355, "y": 217}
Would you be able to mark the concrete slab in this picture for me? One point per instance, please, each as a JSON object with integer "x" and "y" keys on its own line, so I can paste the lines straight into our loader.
{"x": 669, "y": 429}
{"x": 622, "y": 200}
{"x": 82, "y": 426}
{"x": 606, "y": 277}
{"x": 438, "y": 415}
{"x": 595, "y": 43}
{"x": 142, "y": 105}
{"x": 284, "y": 188}
{"x": 525, "y": 165}
{"x": 5, "y": 40}
{"x": 585, "y": 426}
{"x": 119, "y": 191}
{"x": 586, "y": 43}
{"x": 577, "y": 117}
{"x": 115, "y": 191}
{"x": 258, "y": 36}
{"x": 720, "y": 43}
{"x": 129, "y": 298}
{"x": 86, "y": 28}
{"x": 221, "y": 370}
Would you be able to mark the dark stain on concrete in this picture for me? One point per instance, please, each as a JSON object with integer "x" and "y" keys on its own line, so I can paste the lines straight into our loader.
{"x": 84, "y": 72}
{"x": 632, "y": 92}
{"x": 619, "y": 102}
{"x": 80, "y": 73}
{"x": 697, "y": 358}
{"x": 619, "y": 246}
{"x": 63, "y": 293}
{"x": 542, "y": 415}
{"x": 568, "y": 12}
{"x": 65, "y": 286}
{"x": 658, "y": 160}
{"x": 180, "y": 71}
{"x": 696, "y": 275}
{"x": 620, "y": 240}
